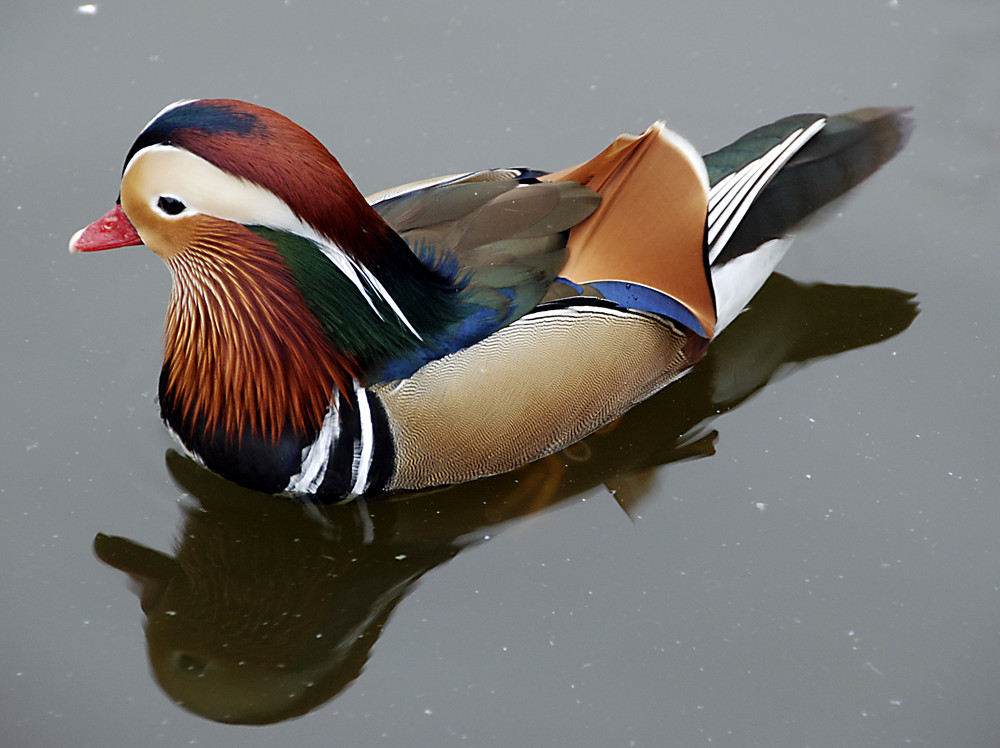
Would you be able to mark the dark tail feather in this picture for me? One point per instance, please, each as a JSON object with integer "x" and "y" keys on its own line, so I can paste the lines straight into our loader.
{"x": 848, "y": 150}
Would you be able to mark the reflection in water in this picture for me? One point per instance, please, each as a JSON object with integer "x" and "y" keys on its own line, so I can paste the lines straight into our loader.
{"x": 269, "y": 609}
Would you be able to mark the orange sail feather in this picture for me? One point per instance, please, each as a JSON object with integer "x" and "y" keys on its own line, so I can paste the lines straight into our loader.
{"x": 650, "y": 226}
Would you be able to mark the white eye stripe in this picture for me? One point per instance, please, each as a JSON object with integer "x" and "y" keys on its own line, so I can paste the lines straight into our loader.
{"x": 165, "y": 170}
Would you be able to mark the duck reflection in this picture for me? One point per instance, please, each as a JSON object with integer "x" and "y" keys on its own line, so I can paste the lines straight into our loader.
{"x": 268, "y": 608}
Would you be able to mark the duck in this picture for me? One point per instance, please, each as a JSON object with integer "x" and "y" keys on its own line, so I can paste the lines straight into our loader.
{"x": 325, "y": 346}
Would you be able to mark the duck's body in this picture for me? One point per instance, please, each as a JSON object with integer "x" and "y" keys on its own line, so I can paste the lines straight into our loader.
{"x": 321, "y": 344}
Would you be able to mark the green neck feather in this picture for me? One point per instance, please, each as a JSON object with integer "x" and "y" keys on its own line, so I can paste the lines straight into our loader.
{"x": 364, "y": 325}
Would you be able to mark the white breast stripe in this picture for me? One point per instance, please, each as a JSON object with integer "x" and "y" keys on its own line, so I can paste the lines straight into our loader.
{"x": 365, "y": 447}
{"x": 316, "y": 457}
{"x": 730, "y": 199}
{"x": 190, "y": 453}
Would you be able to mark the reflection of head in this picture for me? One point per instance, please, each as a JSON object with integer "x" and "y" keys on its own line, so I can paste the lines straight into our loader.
{"x": 265, "y": 614}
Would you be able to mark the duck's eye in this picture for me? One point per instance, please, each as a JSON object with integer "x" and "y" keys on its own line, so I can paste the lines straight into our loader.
{"x": 170, "y": 205}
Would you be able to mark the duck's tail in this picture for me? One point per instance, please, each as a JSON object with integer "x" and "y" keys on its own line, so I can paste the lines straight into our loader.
{"x": 770, "y": 180}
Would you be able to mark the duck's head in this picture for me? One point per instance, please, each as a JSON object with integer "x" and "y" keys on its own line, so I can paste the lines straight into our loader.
{"x": 225, "y": 192}
{"x": 198, "y": 163}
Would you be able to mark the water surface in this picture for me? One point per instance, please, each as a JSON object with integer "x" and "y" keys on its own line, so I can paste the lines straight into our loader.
{"x": 793, "y": 546}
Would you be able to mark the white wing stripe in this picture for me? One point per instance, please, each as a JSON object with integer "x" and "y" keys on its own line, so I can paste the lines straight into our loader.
{"x": 720, "y": 190}
{"x": 748, "y": 178}
{"x": 733, "y": 197}
{"x": 721, "y": 226}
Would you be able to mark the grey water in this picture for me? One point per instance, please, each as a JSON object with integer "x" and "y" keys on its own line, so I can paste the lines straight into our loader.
{"x": 795, "y": 545}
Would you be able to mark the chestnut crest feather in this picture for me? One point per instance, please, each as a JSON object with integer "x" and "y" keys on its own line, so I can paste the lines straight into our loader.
{"x": 266, "y": 149}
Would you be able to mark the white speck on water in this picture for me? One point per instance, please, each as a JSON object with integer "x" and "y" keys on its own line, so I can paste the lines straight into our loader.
{"x": 87, "y": 9}
{"x": 874, "y": 669}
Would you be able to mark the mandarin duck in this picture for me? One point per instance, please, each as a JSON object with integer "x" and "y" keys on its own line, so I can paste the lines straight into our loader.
{"x": 323, "y": 345}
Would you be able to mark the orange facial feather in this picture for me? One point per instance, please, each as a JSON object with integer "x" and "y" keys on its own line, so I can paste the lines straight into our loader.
{"x": 243, "y": 350}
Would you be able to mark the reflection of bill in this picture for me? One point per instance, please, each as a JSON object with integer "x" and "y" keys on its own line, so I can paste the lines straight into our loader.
{"x": 269, "y": 609}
